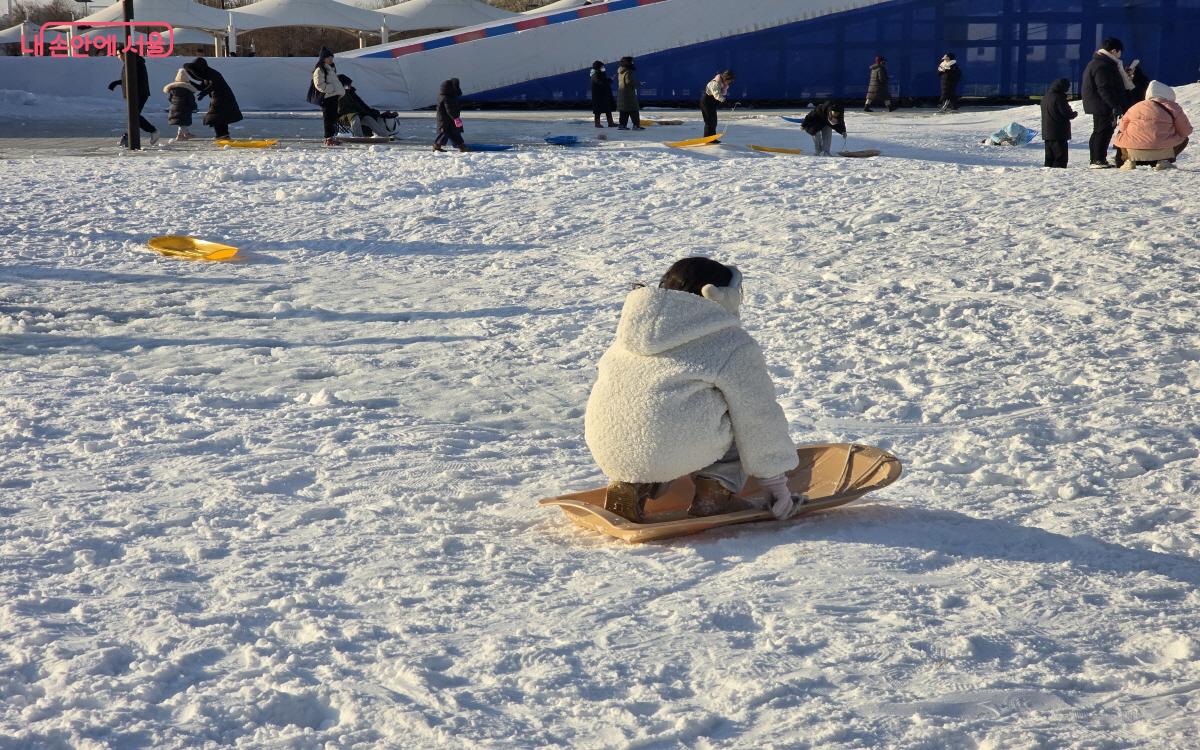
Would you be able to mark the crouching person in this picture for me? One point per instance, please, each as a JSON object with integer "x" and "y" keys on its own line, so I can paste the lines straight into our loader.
{"x": 822, "y": 122}
{"x": 1153, "y": 131}
{"x": 684, "y": 390}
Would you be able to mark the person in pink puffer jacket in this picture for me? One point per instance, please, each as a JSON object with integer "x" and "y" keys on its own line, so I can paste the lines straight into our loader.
{"x": 1153, "y": 131}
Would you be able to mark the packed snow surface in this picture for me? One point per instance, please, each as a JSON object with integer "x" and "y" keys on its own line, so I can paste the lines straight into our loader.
{"x": 290, "y": 501}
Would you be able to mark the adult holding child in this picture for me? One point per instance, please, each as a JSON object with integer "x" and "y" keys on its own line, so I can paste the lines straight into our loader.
{"x": 223, "y": 108}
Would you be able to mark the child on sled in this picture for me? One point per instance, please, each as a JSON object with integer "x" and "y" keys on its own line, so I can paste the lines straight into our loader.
{"x": 684, "y": 390}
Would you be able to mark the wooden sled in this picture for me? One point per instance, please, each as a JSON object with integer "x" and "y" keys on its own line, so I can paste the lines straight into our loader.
{"x": 866, "y": 153}
{"x": 829, "y": 475}
{"x": 776, "y": 150}
{"x": 248, "y": 142}
{"x": 661, "y": 122}
{"x": 696, "y": 141}
{"x": 182, "y": 246}
{"x": 365, "y": 139}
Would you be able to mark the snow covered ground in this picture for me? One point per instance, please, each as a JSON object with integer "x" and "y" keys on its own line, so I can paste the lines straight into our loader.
{"x": 289, "y": 501}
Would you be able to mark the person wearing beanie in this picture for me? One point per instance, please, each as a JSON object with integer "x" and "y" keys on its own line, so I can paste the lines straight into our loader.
{"x": 684, "y": 390}
{"x": 1056, "y": 122}
{"x": 627, "y": 95}
{"x": 821, "y": 123}
{"x": 1153, "y": 131}
{"x": 223, "y": 108}
{"x": 877, "y": 87}
{"x": 1104, "y": 88}
{"x": 181, "y": 94}
{"x": 950, "y": 74}
{"x": 715, "y": 93}
{"x": 326, "y": 83}
{"x": 603, "y": 102}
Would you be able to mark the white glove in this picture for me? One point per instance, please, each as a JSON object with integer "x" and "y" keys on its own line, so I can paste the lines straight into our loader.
{"x": 783, "y": 503}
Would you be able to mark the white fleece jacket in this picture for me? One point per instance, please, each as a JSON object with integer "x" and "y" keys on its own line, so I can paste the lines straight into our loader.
{"x": 681, "y": 383}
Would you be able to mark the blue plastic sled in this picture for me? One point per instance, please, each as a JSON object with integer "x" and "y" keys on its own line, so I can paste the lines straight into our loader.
{"x": 562, "y": 140}
{"x": 796, "y": 120}
{"x": 489, "y": 146}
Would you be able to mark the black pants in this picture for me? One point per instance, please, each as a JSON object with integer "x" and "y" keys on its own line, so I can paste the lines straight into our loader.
{"x": 451, "y": 134}
{"x": 1103, "y": 127}
{"x": 635, "y": 115}
{"x": 606, "y": 114}
{"x": 708, "y": 108}
{"x": 221, "y": 129}
{"x": 1056, "y": 154}
{"x": 329, "y": 115}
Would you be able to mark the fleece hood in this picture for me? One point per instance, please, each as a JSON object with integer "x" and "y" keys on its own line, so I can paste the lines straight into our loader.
{"x": 656, "y": 320}
{"x": 1160, "y": 90}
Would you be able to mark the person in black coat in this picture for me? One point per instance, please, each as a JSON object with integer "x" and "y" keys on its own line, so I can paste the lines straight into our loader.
{"x": 950, "y": 74}
{"x": 1104, "y": 98}
{"x": 603, "y": 101}
{"x": 449, "y": 116}
{"x": 364, "y": 118}
{"x": 222, "y": 106}
{"x": 1056, "y": 122}
{"x": 821, "y": 124}
{"x": 1141, "y": 82}
{"x": 143, "y": 86}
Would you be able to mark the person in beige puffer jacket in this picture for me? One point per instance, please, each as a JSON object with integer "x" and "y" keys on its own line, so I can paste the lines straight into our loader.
{"x": 684, "y": 390}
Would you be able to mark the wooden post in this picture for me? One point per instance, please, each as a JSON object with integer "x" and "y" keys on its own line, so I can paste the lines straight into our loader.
{"x": 132, "y": 93}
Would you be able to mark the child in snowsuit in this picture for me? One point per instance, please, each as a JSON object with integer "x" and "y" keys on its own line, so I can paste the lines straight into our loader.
{"x": 449, "y": 117}
{"x": 820, "y": 124}
{"x": 714, "y": 94}
{"x": 685, "y": 390}
{"x": 1056, "y": 123}
{"x": 181, "y": 94}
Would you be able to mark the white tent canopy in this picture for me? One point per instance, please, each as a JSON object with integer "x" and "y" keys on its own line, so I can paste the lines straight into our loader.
{"x": 327, "y": 14}
{"x": 182, "y": 13}
{"x": 562, "y": 5}
{"x": 411, "y": 15}
{"x": 12, "y": 35}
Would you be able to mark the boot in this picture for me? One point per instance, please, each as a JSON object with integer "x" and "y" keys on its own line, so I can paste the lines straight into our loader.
{"x": 598, "y": 122}
{"x": 628, "y": 499}
{"x": 611, "y": 124}
{"x": 464, "y": 148}
{"x": 713, "y": 499}
{"x": 438, "y": 148}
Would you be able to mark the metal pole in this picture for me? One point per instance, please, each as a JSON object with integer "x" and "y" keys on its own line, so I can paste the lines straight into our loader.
{"x": 132, "y": 93}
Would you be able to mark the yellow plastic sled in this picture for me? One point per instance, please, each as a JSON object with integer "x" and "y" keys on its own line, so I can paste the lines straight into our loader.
{"x": 695, "y": 141}
{"x": 182, "y": 246}
{"x": 248, "y": 142}
{"x": 776, "y": 150}
{"x": 830, "y": 475}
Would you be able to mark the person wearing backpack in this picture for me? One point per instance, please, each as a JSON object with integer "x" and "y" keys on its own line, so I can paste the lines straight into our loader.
{"x": 325, "y": 81}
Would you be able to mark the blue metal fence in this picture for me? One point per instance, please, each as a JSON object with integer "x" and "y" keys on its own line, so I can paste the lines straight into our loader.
{"x": 1006, "y": 48}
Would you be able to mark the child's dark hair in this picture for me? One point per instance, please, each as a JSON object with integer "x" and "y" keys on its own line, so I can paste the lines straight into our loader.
{"x": 692, "y": 274}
